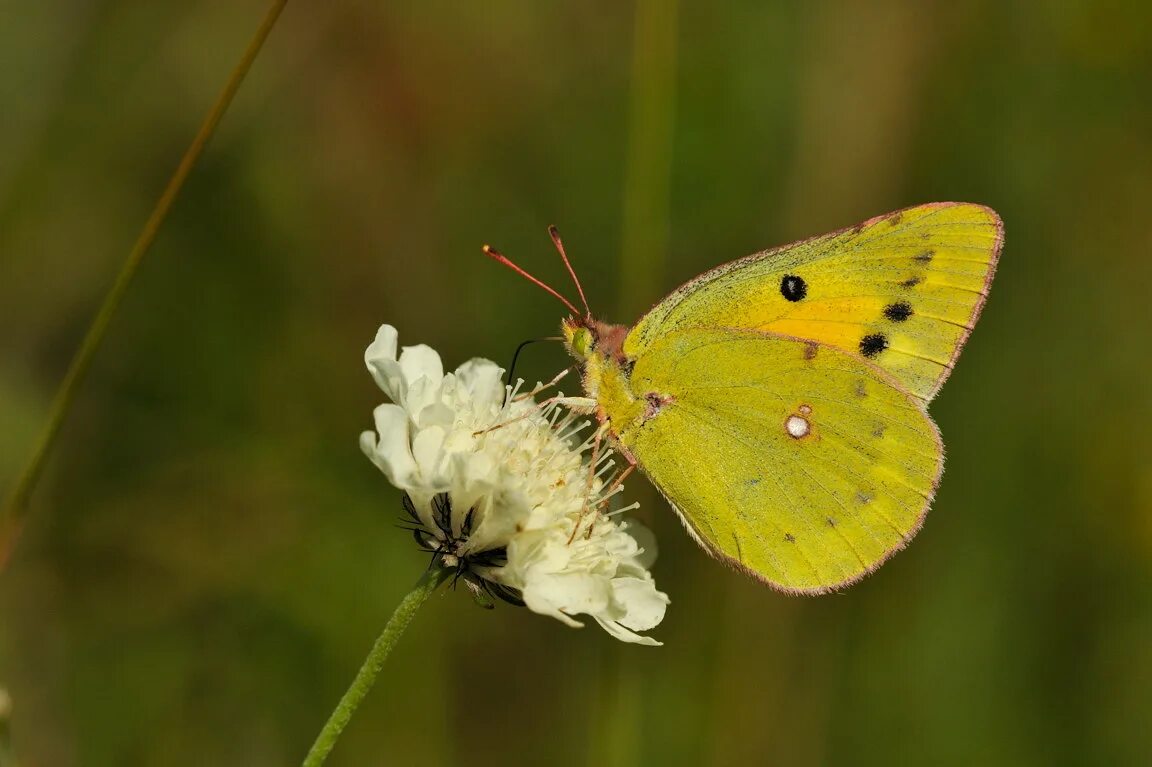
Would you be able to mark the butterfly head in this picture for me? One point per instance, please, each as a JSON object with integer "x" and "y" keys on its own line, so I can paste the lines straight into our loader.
{"x": 586, "y": 338}
{"x": 579, "y": 337}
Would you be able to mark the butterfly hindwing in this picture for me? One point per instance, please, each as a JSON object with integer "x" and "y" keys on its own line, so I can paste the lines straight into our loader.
{"x": 797, "y": 462}
{"x": 902, "y": 290}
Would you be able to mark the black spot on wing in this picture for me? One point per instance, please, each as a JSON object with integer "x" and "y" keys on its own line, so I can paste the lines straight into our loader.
{"x": 789, "y": 537}
{"x": 793, "y": 288}
{"x": 899, "y": 311}
{"x": 924, "y": 256}
{"x": 872, "y": 344}
{"x": 911, "y": 282}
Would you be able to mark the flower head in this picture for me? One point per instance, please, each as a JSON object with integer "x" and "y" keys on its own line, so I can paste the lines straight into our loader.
{"x": 497, "y": 486}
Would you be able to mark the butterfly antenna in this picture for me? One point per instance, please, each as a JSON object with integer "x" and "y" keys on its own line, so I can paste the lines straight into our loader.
{"x": 496, "y": 255}
{"x": 579, "y": 288}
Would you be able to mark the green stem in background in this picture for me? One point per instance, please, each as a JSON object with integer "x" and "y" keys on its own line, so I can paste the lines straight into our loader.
{"x": 15, "y": 510}
{"x": 6, "y": 757}
{"x": 648, "y": 170}
{"x": 618, "y": 723}
{"x": 370, "y": 669}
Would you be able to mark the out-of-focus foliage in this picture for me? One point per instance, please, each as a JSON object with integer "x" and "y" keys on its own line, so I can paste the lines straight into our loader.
{"x": 211, "y": 556}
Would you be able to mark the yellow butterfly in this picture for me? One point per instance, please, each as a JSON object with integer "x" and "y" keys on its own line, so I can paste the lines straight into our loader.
{"x": 778, "y": 402}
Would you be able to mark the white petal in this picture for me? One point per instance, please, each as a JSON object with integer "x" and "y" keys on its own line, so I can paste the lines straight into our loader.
{"x": 383, "y": 346}
{"x": 644, "y": 606}
{"x": 380, "y": 358}
{"x": 423, "y": 393}
{"x": 624, "y": 635}
{"x": 368, "y": 444}
{"x": 432, "y": 414}
{"x": 462, "y": 440}
{"x": 392, "y": 452}
{"x": 427, "y": 449}
{"x": 621, "y": 545}
{"x": 483, "y": 379}
{"x": 421, "y": 362}
{"x": 502, "y": 517}
{"x": 645, "y": 557}
{"x": 570, "y": 593}
{"x": 534, "y": 551}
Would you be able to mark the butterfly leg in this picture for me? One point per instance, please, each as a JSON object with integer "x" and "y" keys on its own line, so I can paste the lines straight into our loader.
{"x": 616, "y": 482}
{"x": 597, "y": 441}
{"x": 582, "y": 405}
{"x": 610, "y": 491}
{"x": 539, "y": 406}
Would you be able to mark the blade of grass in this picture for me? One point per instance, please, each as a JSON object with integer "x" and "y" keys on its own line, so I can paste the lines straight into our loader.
{"x": 648, "y": 171}
{"x": 15, "y": 511}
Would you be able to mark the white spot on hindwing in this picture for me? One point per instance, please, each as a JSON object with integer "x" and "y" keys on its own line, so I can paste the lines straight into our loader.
{"x": 797, "y": 426}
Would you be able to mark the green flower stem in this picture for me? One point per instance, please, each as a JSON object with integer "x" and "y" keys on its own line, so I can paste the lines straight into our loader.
{"x": 14, "y": 512}
{"x": 366, "y": 676}
{"x": 6, "y": 757}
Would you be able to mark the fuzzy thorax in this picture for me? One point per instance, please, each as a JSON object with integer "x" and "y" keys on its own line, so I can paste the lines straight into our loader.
{"x": 606, "y": 374}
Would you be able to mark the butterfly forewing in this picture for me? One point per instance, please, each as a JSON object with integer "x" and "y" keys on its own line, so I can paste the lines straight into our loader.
{"x": 797, "y": 462}
{"x": 902, "y": 291}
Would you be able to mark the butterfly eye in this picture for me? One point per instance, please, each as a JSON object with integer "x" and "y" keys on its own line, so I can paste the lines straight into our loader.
{"x": 582, "y": 342}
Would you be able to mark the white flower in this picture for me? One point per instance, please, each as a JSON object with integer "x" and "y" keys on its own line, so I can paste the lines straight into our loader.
{"x": 498, "y": 488}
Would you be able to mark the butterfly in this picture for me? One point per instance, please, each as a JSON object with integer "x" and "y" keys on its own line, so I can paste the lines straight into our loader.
{"x": 779, "y": 401}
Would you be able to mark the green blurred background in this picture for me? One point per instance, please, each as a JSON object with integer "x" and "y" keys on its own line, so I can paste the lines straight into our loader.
{"x": 211, "y": 556}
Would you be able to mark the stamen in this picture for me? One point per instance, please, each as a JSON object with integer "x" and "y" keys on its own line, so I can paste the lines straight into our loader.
{"x": 543, "y": 386}
{"x": 630, "y": 507}
{"x": 578, "y": 428}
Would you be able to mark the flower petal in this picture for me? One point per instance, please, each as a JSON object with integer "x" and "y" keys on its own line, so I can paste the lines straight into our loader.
{"x": 380, "y": 358}
{"x": 647, "y": 549}
{"x": 483, "y": 379}
{"x": 643, "y": 605}
{"x": 427, "y": 448}
{"x": 421, "y": 361}
{"x": 567, "y": 592}
{"x": 624, "y": 635}
{"x": 391, "y": 451}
